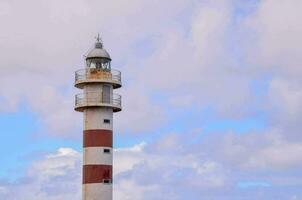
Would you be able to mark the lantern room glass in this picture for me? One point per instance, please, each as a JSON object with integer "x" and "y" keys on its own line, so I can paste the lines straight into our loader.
{"x": 99, "y": 63}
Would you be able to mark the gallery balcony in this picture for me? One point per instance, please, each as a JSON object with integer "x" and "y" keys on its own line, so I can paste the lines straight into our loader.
{"x": 87, "y": 100}
{"x": 93, "y": 75}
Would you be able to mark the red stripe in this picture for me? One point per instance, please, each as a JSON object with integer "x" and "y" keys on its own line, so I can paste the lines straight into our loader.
{"x": 96, "y": 173}
{"x": 97, "y": 138}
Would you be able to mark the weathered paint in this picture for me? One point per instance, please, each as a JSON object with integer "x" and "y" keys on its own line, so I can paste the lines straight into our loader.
{"x": 96, "y": 173}
{"x": 96, "y": 88}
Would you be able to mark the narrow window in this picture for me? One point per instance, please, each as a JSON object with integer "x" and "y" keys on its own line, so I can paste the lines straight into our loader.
{"x": 106, "y": 94}
{"x": 106, "y": 121}
{"x": 106, "y": 150}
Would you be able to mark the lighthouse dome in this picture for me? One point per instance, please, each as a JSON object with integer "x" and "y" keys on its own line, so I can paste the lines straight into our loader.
{"x": 98, "y": 52}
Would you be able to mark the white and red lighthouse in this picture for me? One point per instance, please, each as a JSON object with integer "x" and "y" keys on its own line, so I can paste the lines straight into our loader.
{"x": 98, "y": 103}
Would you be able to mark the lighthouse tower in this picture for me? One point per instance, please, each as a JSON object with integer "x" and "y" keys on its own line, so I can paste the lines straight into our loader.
{"x": 98, "y": 103}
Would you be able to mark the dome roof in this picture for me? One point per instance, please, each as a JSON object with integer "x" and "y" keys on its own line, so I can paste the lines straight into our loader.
{"x": 98, "y": 52}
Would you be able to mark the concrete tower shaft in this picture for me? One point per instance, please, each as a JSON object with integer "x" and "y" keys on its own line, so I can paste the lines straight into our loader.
{"x": 98, "y": 103}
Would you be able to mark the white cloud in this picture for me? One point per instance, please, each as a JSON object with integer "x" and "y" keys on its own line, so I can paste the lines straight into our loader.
{"x": 256, "y": 152}
{"x": 274, "y": 50}
{"x": 42, "y": 52}
{"x": 276, "y": 156}
{"x": 170, "y": 168}
{"x": 208, "y": 74}
{"x": 126, "y": 159}
{"x": 55, "y": 176}
{"x": 277, "y": 32}
{"x": 129, "y": 190}
{"x": 159, "y": 171}
{"x": 199, "y": 64}
{"x": 139, "y": 114}
{"x": 285, "y": 104}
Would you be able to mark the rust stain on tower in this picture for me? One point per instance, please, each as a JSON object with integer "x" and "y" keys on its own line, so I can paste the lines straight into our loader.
{"x": 98, "y": 103}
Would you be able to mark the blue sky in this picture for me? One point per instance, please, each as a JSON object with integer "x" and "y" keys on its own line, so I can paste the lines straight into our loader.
{"x": 19, "y": 128}
{"x": 212, "y": 97}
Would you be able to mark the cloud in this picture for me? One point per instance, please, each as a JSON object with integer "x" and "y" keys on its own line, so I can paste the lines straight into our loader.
{"x": 54, "y": 176}
{"x": 199, "y": 63}
{"x": 42, "y": 57}
{"x": 139, "y": 114}
{"x": 274, "y": 50}
{"x": 173, "y": 168}
{"x": 57, "y": 175}
{"x": 285, "y": 99}
{"x": 209, "y": 74}
{"x": 164, "y": 170}
{"x": 278, "y": 43}
{"x": 252, "y": 152}
{"x": 211, "y": 167}
{"x": 209, "y": 60}
{"x": 282, "y": 155}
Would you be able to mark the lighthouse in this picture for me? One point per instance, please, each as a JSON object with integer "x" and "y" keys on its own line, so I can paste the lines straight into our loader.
{"x": 97, "y": 102}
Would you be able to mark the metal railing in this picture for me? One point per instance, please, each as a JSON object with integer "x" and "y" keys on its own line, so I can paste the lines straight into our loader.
{"x": 97, "y": 74}
{"x": 97, "y": 99}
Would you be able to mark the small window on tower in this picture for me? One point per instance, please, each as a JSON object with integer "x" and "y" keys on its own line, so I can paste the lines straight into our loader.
{"x": 107, "y": 181}
{"x": 106, "y": 150}
{"x": 107, "y": 121}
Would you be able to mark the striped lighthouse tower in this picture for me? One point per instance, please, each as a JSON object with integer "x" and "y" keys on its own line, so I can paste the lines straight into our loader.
{"x": 98, "y": 103}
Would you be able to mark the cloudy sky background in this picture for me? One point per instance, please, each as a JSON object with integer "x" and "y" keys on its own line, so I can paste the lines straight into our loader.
{"x": 212, "y": 97}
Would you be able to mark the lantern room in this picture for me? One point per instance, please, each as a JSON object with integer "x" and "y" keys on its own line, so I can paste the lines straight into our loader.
{"x": 98, "y": 57}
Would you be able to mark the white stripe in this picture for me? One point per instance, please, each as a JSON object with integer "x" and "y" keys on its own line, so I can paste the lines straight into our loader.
{"x": 94, "y": 118}
{"x": 97, "y": 191}
{"x": 97, "y": 156}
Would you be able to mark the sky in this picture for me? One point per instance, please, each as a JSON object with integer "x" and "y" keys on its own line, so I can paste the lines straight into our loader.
{"x": 212, "y": 97}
